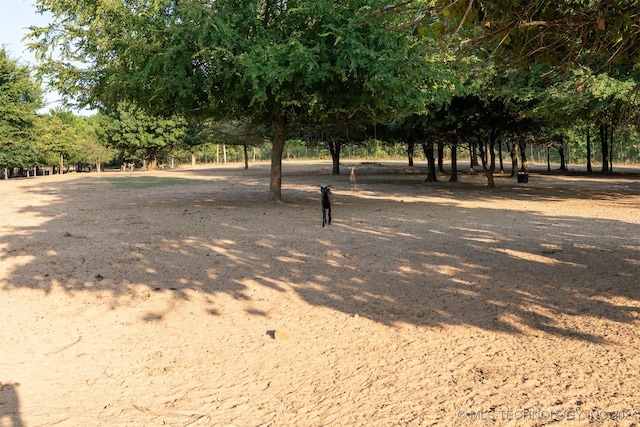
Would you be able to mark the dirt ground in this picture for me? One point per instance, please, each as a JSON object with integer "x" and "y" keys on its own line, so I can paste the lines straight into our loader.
{"x": 184, "y": 298}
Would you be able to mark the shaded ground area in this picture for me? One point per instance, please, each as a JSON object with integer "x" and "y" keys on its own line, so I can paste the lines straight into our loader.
{"x": 184, "y": 298}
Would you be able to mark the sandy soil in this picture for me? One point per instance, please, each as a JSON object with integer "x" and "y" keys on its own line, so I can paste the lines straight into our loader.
{"x": 183, "y": 298}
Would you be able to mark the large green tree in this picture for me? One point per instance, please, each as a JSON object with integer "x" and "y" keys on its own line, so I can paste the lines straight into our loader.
{"x": 57, "y": 135}
{"x": 141, "y": 136}
{"x": 91, "y": 133}
{"x": 266, "y": 61}
{"x": 20, "y": 98}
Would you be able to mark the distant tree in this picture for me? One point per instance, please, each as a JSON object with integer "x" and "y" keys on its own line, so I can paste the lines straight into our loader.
{"x": 336, "y": 135}
{"x": 240, "y": 133}
{"x": 20, "y": 98}
{"x": 93, "y": 138}
{"x": 584, "y": 99}
{"x": 57, "y": 135}
{"x": 141, "y": 136}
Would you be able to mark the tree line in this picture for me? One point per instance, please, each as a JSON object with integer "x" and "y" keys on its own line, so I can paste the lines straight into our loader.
{"x": 478, "y": 76}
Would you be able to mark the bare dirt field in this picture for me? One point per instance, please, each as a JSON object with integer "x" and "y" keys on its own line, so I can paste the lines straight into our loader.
{"x": 184, "y": 298}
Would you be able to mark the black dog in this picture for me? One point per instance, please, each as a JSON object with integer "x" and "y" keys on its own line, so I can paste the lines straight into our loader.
{"x": 327, "y": 201}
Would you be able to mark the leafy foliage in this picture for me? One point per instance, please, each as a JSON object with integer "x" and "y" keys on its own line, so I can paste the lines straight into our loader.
{"x": 139, "y": 135}
{"x": 566, "y": 33}
{"x": 20, "y": 98}
{"x": 239, "y": 71}
{"x": 252, "y": 58}
{"x": 268, "y": 62}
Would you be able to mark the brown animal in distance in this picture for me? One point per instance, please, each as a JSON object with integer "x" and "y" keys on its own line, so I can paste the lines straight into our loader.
{"x": 352, "y": 178}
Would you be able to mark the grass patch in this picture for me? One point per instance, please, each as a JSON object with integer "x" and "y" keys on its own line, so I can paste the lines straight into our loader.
{"x": 150, "y": 181}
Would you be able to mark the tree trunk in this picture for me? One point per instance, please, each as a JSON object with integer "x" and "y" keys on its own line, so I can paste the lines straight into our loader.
{"x": 589, "y": 168}
{"x": 611, "y": 150}
{"x": 410, "y": 152}
{"x": 440, "y": 156}
{"x": 431, "y": 162}
{"x": 500, "y": 156}
{"x": 548, "y": 160}
{"x": 563, "y": 163}
{"x": 246, "y": 156}
{"x": 523, "y": 156}
{"x": 5, "y": 173}
{"x": 605, "y": 148}
{"x": 335, "y": 148}
{"x": 193, "y": 160}
{"x": 454, "y": 162}
{"x": 152, "y": 160}
{"x": 279, "y": 138}
{"x": 483, "y": 150}
{"x": 474, "y": 157}
{"x": 492, "y": 166}
{"x": 513, "y": 152}
{"x": 61, "y": 163}
{"x": 489, "y": 162}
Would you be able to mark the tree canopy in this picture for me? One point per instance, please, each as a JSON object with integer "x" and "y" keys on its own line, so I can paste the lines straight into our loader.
{"x": 265, "y": 61}
{"x": 565, "y": 33}
{"x": 20, "y": 98}
{"x": 139, "y": 135}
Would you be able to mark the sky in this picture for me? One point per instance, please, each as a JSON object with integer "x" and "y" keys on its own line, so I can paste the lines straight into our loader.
{"x": 16, "y": 16}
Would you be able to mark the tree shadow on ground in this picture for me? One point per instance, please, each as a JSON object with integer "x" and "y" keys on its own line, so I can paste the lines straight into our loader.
{"x": 396, "y": 253}
{"x": 10, "y": 406}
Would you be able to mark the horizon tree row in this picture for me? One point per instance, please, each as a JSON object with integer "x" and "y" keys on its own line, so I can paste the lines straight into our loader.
{"x": 432, "y": 73}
